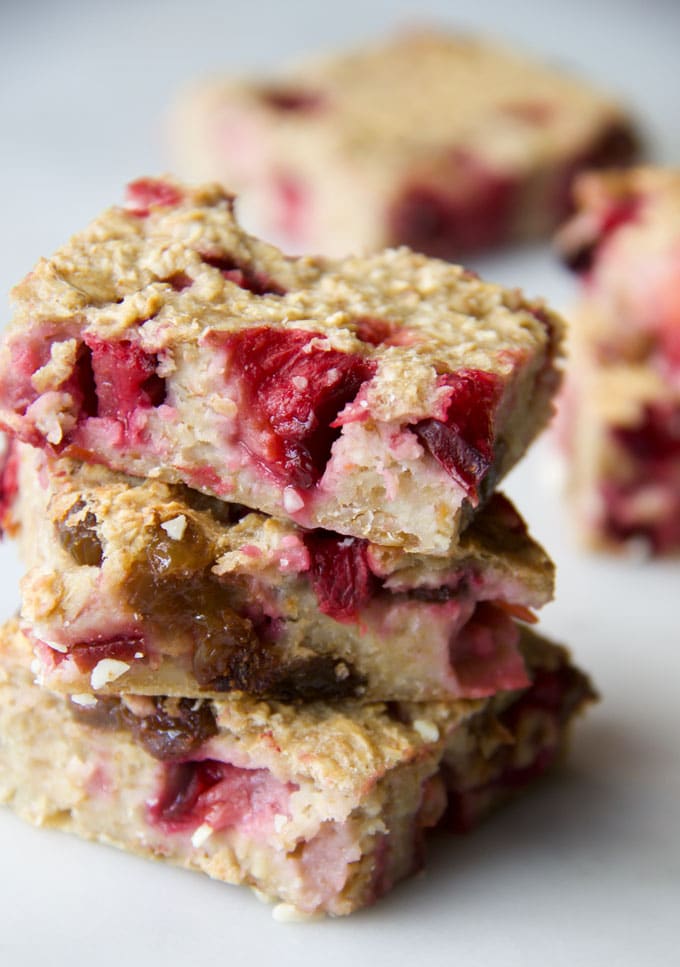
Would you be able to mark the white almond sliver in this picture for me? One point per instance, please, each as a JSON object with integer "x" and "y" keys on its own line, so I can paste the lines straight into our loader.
{"x": 426, "y": 730}
{"x": 175, "y": 528}
{"x": 107, "y": 670}
{"x": 84, "y": 699}
{"x": 201, "y": 835}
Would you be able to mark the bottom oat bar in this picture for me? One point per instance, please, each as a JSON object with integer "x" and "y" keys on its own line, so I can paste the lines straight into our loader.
{"x": 321, "y": 808}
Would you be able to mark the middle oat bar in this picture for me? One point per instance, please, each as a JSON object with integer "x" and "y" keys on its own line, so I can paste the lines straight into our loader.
{"x": 142, "y": 587}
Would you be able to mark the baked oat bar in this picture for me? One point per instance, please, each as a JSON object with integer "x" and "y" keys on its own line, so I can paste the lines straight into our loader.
{"x": 445, "y": 143}
{"x": 621, "y": 433}
{"x": 622, "y": 410}
{"x": 139, "y": 586}
{"x": 378, "y": 397}
{"x": 321, "y": 808}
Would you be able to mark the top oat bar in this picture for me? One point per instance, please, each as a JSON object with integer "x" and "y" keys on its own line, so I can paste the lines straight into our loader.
{"x": 446, "y": 143}
{"x": 379, "y": 397}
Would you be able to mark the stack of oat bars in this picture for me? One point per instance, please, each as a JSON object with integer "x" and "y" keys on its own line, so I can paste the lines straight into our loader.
{"x": 276, "y": 620}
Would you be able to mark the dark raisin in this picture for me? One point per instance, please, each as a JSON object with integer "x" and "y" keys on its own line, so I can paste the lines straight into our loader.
{"x": 106, "y": 713}
{"x": 228, "y": 653}
{"x": 172, "y": 583}
{"x": 219, "y": 510}
{"x": 162, "y": 582}
{"x": 167, "y": 556}
{"x": 80, "y": 538}
{"x": 175, "y": 731}
{"x": 320, "y": 677}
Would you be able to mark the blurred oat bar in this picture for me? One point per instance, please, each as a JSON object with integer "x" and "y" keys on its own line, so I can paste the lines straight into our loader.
{"x": 622, "y": 405}
{"x": 448, "y": 144}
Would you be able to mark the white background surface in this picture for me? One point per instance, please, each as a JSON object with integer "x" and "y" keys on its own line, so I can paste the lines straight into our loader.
{"x": 586, "y": 871}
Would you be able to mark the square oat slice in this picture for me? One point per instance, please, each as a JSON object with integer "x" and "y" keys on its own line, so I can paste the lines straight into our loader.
{"x": 449, "y": 144}
{"x": 138, "y": 586}
{"x": 321, "y": 808}
{"x": 379, "y": 397}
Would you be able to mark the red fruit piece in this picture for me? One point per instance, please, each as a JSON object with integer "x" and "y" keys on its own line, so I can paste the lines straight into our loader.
{"x": 125, "y": 378}
{"x": 581, "y": 257}
{"x": 655, "y": 440}
{"x": 463, "y": 442}
{"x": 9, "y": 483}
{"x": 81, "y": 383}
{"x": 383, "y": 332}
{"x": 217, "y": 793}
{"x": 485, "y": 656}
{"x": 179, "y": 281}
{"x": 290, "y": 206}
{"x": 244, "y": 276}
{"x": 463, "y": 208}
{"x": 121, "y": 648}
{"x": 291, "y": 100}
{"x": 373, "y": 330}
{"x": 185, "y": 783}
{"x": 28, "y": 355}
{"x": 615, "y": 148}
{"x": 292, "y": 392}
{"x": 339, "y": 573}
{"x": 146, "y": 193}
{"x": 619, "y": 523}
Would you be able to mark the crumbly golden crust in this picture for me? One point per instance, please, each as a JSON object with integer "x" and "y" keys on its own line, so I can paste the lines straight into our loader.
{"x": 145, "y": 284}
{"x": 113, "y": 278}
{"x": 101, "y": 546}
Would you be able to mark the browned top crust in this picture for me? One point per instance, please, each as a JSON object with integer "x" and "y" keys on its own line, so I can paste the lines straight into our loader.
{"x": 120, "y": 277}
{"x": 172, "y": 283}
